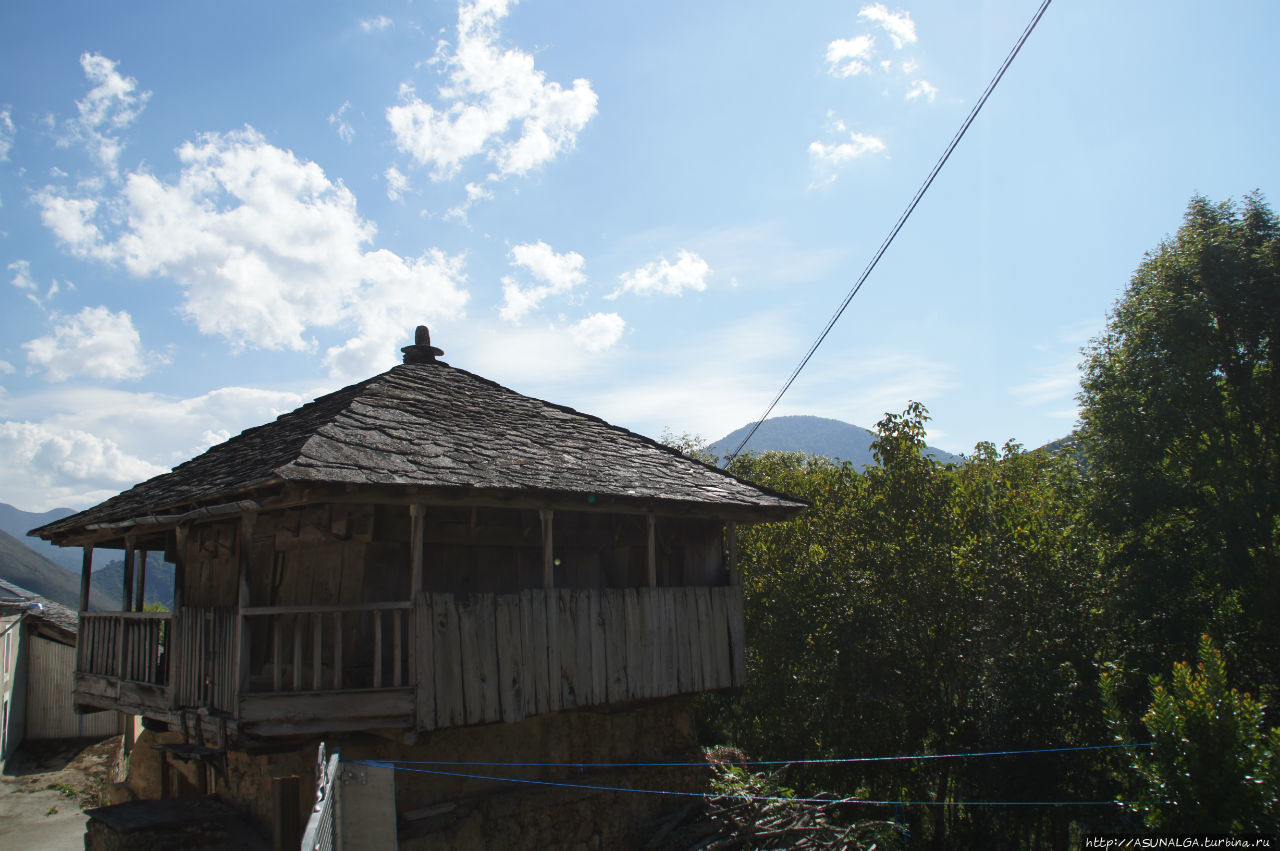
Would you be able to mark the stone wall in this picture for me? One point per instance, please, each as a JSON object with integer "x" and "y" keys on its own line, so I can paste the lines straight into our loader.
{"x": 438, "y": 809}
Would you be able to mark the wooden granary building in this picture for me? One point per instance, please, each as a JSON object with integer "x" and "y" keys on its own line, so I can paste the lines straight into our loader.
{"x": 419, "y": 551}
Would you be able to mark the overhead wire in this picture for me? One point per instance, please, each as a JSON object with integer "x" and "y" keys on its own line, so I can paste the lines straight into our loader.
{"x": 902, "y": 219}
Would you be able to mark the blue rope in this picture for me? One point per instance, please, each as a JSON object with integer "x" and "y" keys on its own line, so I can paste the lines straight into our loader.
{"x": 832, "y": 760}
{"x": 781, "y": 798}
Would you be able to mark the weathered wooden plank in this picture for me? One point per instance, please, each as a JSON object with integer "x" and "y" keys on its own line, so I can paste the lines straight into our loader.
{"x": 424, "y": 658}
{"x": 577, "y": 605}
{"x": 317, "y": 657}
{"x": 397, "y": 653}
{"x": 508, "y": 635}
{"x": 614, "y": 613}
{"x": 634, "y": 644}
{"x": 652, "y": 564}
{"x": 307, "y": 706}
{"x": 555, "y": 651}
{"x": 487, "y": 657}
{"x": 337, "y": 650}
{"x": 377, "y": 649}
{"x": 722, "y": 671}
{"x": 649, "y": 617}
{"x": 534, "y": 608}
{"x": 684, "y": 656}
{"x": 417, "y": 552}
{"x": 297, "y": 652}
{"x": 706, "y": 637}
{"x": 450, "y": 710}
{"x": 671, "y": 647}
{"x": 470, "y": 659}
{"x": 595, "y": 621}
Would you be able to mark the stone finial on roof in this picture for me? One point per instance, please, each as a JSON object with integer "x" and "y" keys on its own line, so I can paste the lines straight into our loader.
{"x": 421, "y": 351}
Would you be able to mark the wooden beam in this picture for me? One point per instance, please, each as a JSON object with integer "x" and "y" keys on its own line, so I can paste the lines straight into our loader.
{"x": 174, "y": 655}
{"x": 653, "y": 551}
{"x": 418, "y": 521}
{"x": 244, "y": 560}
{"x": 128, "y": 574}
{"x": 548, "y": 552}
{"x": 140, "y": 597}
{"x": 86, "y": 573}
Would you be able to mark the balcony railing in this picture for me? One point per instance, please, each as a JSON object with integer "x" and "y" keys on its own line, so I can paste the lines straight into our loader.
{"x": 444, "y": 660}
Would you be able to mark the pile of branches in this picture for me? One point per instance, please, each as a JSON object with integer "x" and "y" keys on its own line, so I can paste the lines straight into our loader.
{"x": 728, "y": 822}
{"x": 748, "y": 812}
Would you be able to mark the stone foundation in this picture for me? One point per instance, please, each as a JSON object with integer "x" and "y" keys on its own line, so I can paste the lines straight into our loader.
{"x": 438, "y": 809}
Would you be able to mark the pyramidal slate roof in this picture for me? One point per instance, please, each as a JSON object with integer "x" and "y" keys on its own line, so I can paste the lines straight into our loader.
{"x": 434, "y": 425}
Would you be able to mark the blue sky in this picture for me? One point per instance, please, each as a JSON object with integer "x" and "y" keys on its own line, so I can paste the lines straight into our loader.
{"x": 212, "y": 213}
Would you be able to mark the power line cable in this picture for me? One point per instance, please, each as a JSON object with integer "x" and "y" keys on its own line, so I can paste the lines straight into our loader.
{"x": 824, "y": 761}
{"x": 669, "y": 792}
{"x": 902, "y": 220}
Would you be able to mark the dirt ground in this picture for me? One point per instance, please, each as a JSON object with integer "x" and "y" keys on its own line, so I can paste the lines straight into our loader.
{"x": 47, "y": 785}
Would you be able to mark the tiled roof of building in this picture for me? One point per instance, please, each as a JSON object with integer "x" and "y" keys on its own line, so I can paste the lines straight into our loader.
{"x": 15, "y": 598}
{"x": 433, "y": 425}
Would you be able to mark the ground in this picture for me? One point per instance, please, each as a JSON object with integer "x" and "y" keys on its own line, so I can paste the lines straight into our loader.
{"x": 47, "y": 785}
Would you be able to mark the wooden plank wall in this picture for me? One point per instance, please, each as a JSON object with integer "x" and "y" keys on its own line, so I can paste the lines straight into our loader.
{"x": 502, "y": 657}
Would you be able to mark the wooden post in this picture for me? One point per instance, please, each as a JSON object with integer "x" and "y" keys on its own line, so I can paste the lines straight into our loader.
{"x": 140, "y": 597}
{"x": 86, "y": 574}
{"x": 176, "y": 649}
{"x": 548, "y": 556}
{"x": 244, "y": 558}
{"x": 653, "y": 551}
{"x": 418, "y": 521}
{"x": 128, "y": 574}
{"x": 287, "y": 824}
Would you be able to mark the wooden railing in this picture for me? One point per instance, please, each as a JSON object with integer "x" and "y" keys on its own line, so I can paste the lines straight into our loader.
{"x": 124, "y": 645}
{"x": 504, "y": 657}
{"x": 204, "y": 661}
{"x": 331, "y": 648}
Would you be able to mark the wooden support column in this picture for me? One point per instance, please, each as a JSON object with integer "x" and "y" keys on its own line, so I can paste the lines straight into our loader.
{"x": 141, "y": 572}
{"x": 128, "y": 574}
{"x": 175, "y": 621}
{"x": 244, "y": 560}
{"x": 417, "y": 536}
{"x": 548, "y": 557}
{"x": 86, "y": 574}
{"x": 653, "y": 551}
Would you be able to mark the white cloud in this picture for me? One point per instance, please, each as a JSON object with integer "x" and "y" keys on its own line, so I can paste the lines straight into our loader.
{"x": 111, "y": 105}
{"x": 397, "y": 183}
{"x": 490, "y": 90}
{"x": 345, "y": 131}
{"x": 899, "y": 26}
{"x": 6, "y": 368}
{"x": 558, "y": 273}
{"x": 264, "y": 247}
{"x": 21, "y": 270}
{"x": 52, "y": 466}
{"x": 381, "y": 22}
{"x": 859, "y": 145}
{"x": 6, "y": 134}
{"x": 82, "y": 444}
{"x": 95, "y": 343}
{"x": 689, "y": 272}
{"x": 847, "y": 57}
{"x": 922, "y": 88}
{"x": 475, "y": 192}
{"x": 599, "y": 331}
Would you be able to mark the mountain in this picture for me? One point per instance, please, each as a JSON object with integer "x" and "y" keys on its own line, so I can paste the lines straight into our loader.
{"x": 815, "y": 436}
{"x": 109, "y": 579}
{"x": 17, "y": 523}
{"x": 21, "y": 565}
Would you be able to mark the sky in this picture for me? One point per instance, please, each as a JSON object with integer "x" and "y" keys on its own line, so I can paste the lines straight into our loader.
{"x": 211, "y": 213}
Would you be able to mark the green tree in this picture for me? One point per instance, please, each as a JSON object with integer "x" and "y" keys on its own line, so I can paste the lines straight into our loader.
{"x": 922, "y": 608}
{"x": 1211, "y": 768}
{"x": 1180, "y": 408}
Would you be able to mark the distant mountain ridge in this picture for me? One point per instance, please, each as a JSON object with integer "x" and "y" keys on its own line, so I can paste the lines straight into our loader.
{"x": 815, "y": 436}
{"x": 23, "y": 566}
{"x": 17, "y": 523}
